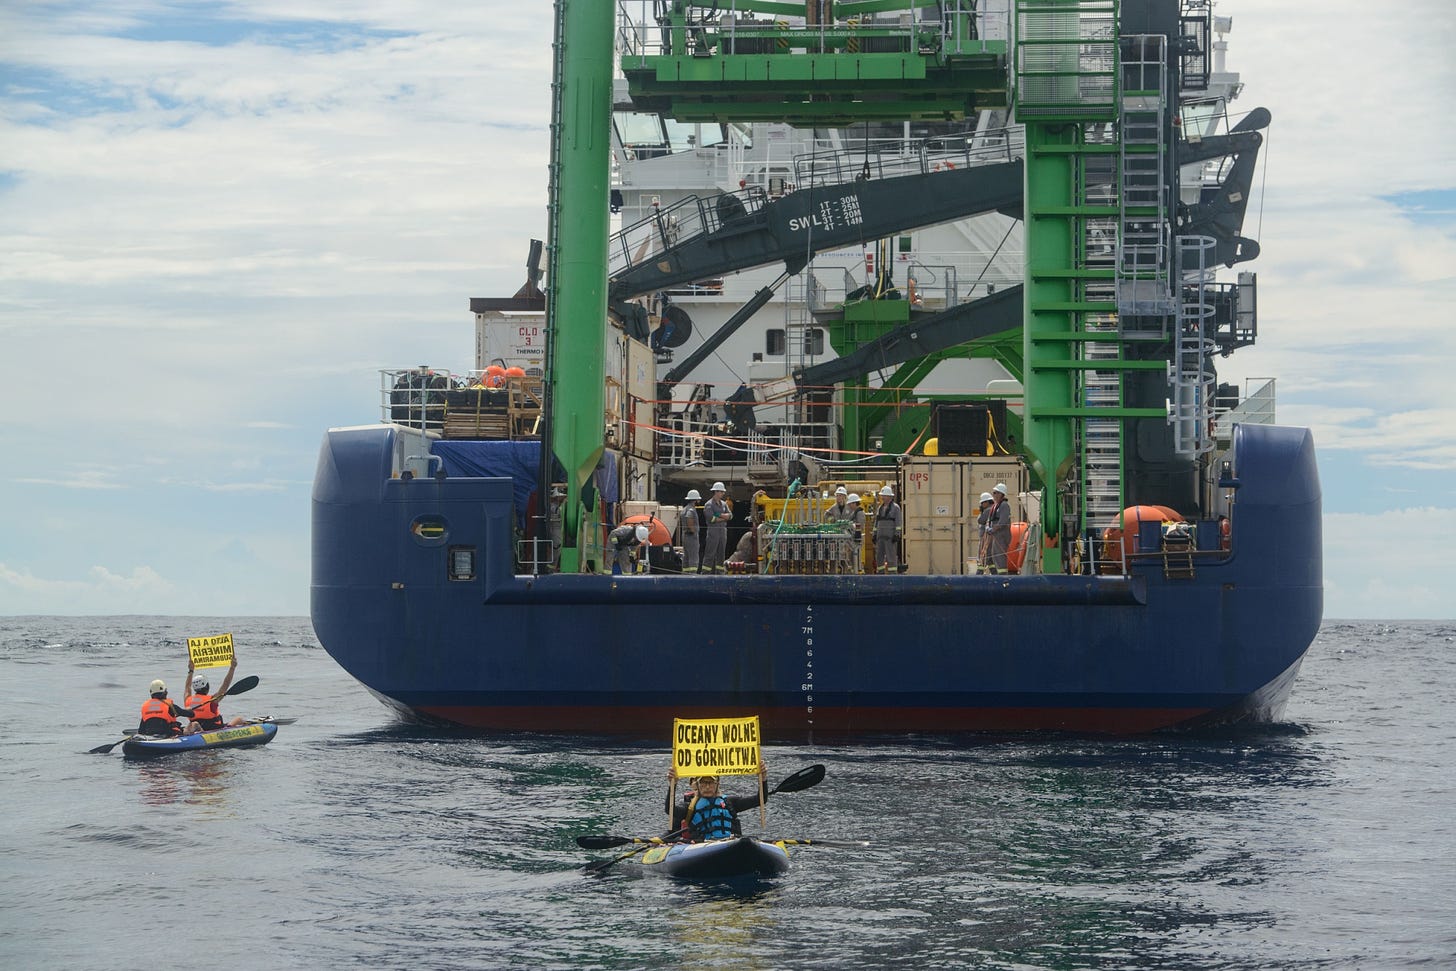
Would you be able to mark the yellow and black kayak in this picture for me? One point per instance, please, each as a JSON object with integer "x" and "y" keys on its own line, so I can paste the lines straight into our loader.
{"x": 740, "y": 856}
{"x": 155, "y": 746}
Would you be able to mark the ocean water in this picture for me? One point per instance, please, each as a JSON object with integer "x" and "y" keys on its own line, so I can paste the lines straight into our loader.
{"x": 351, "y": 841}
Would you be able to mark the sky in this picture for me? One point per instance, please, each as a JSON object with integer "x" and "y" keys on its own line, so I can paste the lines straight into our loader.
{"x": 219, "y": 220}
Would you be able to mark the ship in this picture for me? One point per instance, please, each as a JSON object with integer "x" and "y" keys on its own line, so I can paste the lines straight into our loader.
{"x": 990, "y": 240}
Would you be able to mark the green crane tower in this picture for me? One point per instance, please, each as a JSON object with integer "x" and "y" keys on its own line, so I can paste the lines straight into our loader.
{"x": 1056, "y": 63}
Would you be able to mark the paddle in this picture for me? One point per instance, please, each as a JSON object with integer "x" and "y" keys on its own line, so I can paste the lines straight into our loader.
{"x": 601, "y": 865}
{"x": 247, "y": 684}
{"x": 806, "y": 777}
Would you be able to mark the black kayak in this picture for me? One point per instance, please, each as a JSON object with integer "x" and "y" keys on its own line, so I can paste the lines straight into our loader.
{"x": 154, "y": 746}
{"x": 740, "y": 856}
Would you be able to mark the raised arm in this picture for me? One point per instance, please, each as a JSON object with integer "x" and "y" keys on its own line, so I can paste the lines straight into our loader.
{"x": 227, "y": 682}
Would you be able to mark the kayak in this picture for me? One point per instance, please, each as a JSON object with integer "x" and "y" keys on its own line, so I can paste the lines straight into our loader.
{"x": 154, "y": 746}
{"x": 740, "y": 856}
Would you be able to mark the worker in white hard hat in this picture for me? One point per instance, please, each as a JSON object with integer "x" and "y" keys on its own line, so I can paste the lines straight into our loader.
{"x": 887, "y": 532}
{"x": 716, "y": 514}
{"x": 839, "y": 512}
{"x": 856, "y": 525}
{"x": 998, "y": 528}
{"x": 623, "y": 540}
{"x": 689, "y": 531}
{"x": 984, "y": 545}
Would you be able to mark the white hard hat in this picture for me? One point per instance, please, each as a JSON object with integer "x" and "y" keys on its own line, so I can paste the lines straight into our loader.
{"x": 719, "y": 487}
{"x": 159, "y": 687}
{"x": 887, "y": 491}
{"x": 986, "y": 497}
{"x": 693, "y": 494}
{"x": 642, "y": 534}
{"x": 999, "y": 487}
{"x": 841, "y": 491}
{"x": 853, "y": 497}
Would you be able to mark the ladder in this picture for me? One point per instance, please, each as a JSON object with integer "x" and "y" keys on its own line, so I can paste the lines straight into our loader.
{"x": 1191, "y": 377}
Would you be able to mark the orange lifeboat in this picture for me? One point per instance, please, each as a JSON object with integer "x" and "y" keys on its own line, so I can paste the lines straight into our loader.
{"x": 1120, "y": 540}
{"x": 1016, "y": 553}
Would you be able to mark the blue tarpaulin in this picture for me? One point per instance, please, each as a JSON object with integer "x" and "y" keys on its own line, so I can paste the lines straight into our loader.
{"x": 517, "y": 461}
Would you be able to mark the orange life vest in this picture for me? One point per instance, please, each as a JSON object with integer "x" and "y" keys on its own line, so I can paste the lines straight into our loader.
{"x": 160, "y": 708}
{"x": 204, "y": 709}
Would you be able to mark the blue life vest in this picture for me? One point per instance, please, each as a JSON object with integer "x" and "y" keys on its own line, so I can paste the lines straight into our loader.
{"x": 710, "y": 819}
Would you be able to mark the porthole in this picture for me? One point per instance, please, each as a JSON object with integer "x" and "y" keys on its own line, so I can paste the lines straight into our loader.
{"x": 429, "y": 530}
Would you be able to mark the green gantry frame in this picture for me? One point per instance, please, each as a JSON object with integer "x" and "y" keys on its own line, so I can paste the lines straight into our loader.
{"x": 1059, "y": 72}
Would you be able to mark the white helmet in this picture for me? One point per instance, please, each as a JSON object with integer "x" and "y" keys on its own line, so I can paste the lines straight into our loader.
{"x": 853, "y": 497}
{"x": 887, "y": 491}
{"x": 693, "y": 494}
{"x": 159, "y": 687}
{"x": 642, "y": 534}
{"x": 199, "y": 683}
{"x": 841, "y": 491}
{"x": 986, "y": 497}
{"x": 719, "y": 487}
{"x": 999, "y": 487}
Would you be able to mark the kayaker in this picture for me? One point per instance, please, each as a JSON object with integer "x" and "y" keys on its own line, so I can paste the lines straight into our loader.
{"x": 205, "y": 716}
{"x": 706, "y": 814}
{"x": 160, "y": 713}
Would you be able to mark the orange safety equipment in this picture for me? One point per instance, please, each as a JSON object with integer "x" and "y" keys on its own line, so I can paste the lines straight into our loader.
{"x": 204, "y": 710}
{"x": 160, "y": 708}
{"x": 515, "y": 372}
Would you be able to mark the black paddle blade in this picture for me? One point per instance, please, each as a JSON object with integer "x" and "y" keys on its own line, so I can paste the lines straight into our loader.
{"x": 601, "y": 865}
{"x": 103, "y": 749}
{"x": 602, "y": 842}
{"x": 247, "y": 684}
{"x": 809, "y": 776}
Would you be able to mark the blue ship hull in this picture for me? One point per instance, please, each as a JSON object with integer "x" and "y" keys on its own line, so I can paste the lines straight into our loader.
{"x": 811, "y": 655}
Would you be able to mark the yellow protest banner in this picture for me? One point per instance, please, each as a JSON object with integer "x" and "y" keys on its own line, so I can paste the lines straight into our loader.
{"x": 210, "y": 652}
{"x": 715, "y": 746}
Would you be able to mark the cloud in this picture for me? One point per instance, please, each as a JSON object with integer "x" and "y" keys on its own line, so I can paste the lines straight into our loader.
{"x": 1390, "y": 564}
{"x": 100, "y": 592}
